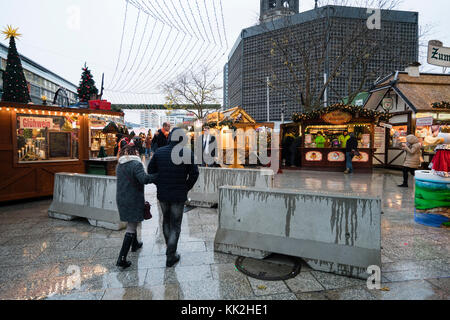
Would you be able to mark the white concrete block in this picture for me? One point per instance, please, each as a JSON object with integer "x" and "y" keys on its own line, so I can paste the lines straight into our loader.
{"x": 86, "y": 196}
{"x": 339, "y": 233}
{"x": 205, "y": 193}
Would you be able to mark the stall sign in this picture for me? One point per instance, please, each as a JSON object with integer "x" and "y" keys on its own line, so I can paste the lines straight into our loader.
{"x": 385, "y": 125}
{"x": 424, "y": 122}
{"x": 314, "y": 156}
{"x": 337, "y": 117}
{"x": 35, "y": 123}
{"x": 438, "y": 55}
{"x": 308, "y": 139}
{"x": 366, "y": 139}
{"x": 98, "y": 123}
{"x": 363, "y": 157}
{"x": 388, "y": 104}
{"x": 336, "y": 156}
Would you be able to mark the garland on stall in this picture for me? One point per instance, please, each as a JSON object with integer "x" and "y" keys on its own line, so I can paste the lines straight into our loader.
{"x": 441, "y": 105}
{"x": 354, "y": 110}
{"x": 221, "y": 124}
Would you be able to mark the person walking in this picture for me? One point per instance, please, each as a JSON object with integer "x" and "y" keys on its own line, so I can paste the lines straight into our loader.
{"x": 412, "y": 161}
{"x": 173, "y": 184}
{"x": 148, "y": 144}
{"x": 208, "y": 152}
{"x": 131, "y": 178}
{"x": 351, "y": 149}
{"x": 161, "y": 137}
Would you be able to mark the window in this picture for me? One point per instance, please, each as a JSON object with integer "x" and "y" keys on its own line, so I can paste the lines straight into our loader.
{"x": 47, "y": 138}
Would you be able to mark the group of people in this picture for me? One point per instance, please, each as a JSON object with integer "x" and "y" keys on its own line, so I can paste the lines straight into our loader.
{"x": 173, "y": 182}
{"x": 145, "y": 144}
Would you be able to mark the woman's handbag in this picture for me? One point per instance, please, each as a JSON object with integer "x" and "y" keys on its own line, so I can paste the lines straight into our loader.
{"x": 147, "y": 212}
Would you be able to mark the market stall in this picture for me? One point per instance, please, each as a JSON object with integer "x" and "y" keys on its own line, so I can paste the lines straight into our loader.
{"x": 317, "y": 140}
{"x": 418, "y": 104}
{"x": 239, "y": 120}
{"x": 38, "y": 141}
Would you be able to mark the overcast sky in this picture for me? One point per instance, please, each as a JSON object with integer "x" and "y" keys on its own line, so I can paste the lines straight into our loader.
{"x": 52, "y": 37}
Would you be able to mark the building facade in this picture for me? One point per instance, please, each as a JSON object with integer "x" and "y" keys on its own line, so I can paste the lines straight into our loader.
{"x": 41, "y": 81}
{"x": 226, "y": 101}
{"x": 252, "y": 60}
{"x": 154, "y": 119}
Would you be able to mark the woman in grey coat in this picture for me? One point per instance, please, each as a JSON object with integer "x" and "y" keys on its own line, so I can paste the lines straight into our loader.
{"x": 131, "y": 179}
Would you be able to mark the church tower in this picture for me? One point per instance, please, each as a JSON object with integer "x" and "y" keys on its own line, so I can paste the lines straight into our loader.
{"x": 274, "y": 9}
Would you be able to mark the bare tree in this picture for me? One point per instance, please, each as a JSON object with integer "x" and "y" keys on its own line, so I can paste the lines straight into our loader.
{"x": 345, "y": 54}
{"x": 193, "y": 91}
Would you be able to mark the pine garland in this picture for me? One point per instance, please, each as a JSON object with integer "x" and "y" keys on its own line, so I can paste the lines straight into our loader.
{"x": 362, "y": 112}
{"x": 441, "y": 105}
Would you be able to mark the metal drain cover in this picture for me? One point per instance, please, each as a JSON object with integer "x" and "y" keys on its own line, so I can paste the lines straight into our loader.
{"x": 273, "y": 268}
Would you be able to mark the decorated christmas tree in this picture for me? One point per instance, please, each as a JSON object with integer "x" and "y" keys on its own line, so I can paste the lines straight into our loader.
{"x": 15, "y": 88}
{"x": 87, "y": 86}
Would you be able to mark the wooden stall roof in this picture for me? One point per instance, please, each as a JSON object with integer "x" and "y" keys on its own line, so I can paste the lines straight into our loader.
{"x": 25, "y": 107}
{"x": 232, "y": 113}
{"x": 418, "y": 92}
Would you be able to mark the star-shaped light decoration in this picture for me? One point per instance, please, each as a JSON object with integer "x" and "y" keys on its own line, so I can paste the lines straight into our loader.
{"x": 10, "y": 32}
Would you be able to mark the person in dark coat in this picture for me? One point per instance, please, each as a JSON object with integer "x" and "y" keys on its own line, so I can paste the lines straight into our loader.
{"x": 131, "y": 178}
{"x": 351, "y": 149}
{"x": 173, "y": 184}
{"x": 160, "y": 139}
{"x": 208, "y": 141}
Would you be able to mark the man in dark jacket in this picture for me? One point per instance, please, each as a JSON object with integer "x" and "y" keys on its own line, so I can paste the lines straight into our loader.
{"x": 160, "y": 138}
{"x": 351, "y": 149}
{"x": 208, "y": 140}
{"x": 173, "y": 184}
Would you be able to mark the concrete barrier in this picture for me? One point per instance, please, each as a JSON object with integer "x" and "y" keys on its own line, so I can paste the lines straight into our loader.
{"x": 338, "y": 233}
{"x": 86, "y": 196}
{"x": 206, "y": 191}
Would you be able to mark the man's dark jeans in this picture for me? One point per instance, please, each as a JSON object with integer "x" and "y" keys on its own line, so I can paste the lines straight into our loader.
{"x": 172, "y": 218}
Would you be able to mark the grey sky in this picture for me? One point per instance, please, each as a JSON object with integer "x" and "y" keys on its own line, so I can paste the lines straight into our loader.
{"x": 51, "y": 38}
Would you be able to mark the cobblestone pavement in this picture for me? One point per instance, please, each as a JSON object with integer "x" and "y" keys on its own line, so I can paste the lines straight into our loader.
{"x": 39, "y": 254}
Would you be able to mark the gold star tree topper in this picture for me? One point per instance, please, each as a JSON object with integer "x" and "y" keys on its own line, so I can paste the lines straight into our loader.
{"x": 11, "y": 32}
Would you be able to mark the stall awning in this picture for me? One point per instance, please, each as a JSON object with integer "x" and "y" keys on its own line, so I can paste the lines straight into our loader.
{"x": 418, "y": 92}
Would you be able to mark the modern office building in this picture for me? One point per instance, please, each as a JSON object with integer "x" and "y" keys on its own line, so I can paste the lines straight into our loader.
{"x": 226, "y": 101}
{"x": 41, "y": 81}
{"x": 252, "y": 60}
{"x": 154, "y": 119}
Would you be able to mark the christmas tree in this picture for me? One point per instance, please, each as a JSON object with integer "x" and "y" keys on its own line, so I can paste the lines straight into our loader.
{"x": 87, "y": 86}
{"x": 15, "y": 87}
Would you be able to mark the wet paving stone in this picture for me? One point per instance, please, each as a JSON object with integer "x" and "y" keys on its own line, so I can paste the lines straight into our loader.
{"x": 411, "y": 290}
{"x": 332, "y": 281}
{"x": 304, "y": 282}
{"x": 167, "y": 292}
{"x": 312, "y": 296}
{"x": 356, "y": 293}
{"x": 263, "y": 288}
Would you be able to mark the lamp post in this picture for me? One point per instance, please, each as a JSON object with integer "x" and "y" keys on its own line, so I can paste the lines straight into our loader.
{"x": 268, "y": 99}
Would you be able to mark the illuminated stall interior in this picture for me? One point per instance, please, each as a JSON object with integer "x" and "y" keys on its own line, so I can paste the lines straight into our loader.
{"x": 99, "y": 138}
{"x": 317, "y": 140}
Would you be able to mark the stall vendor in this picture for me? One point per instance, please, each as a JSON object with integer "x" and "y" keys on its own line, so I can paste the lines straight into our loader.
{"x": 320, "y": 140}
{"x": 343, "y": 138}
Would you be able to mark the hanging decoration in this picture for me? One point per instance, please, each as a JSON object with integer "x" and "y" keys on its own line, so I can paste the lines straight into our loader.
{"x": 353, "y": 110}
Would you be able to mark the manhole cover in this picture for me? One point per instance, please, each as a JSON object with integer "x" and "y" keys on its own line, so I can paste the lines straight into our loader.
{"x": 273, "y": 268}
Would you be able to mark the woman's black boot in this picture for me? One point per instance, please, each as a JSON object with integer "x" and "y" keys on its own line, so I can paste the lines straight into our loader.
{"x": 136, "y": 245}
{"x": 122, "y": 261}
